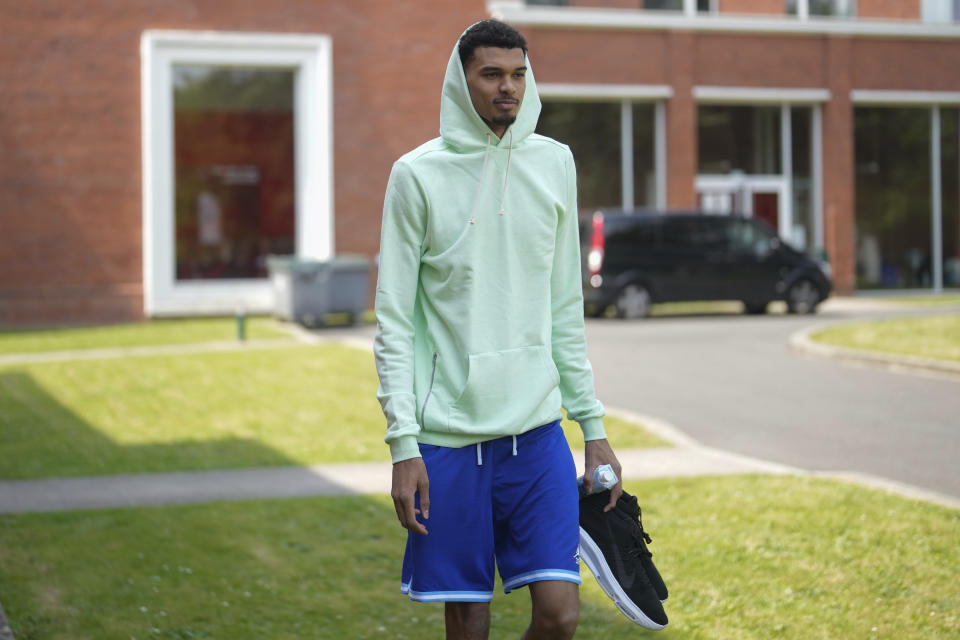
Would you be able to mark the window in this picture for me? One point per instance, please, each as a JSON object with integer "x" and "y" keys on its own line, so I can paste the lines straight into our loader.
{"x": 738, "y": 138}
{"x": 233, "y": 164}
{"x": 802, "y": 235}
{"x": 663, "y": 5}
{"x": 950, "y": 191}
{"x": 592, "y": 131}
{"x": 941, "y": 10}
{"x": 836, "y": 8}
{"x": 237, "y": 164}
{"x": 893, "y": 229}
{"x": 595, "y": 133}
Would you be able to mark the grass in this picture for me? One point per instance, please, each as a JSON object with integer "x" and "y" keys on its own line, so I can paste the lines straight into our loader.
{"x": 280, "y": 406}
{"x": 926, "y": 337}
{"x": 832, "y": 561}
{"x": 925, "y": 300}
{"x": 138, "y": 334}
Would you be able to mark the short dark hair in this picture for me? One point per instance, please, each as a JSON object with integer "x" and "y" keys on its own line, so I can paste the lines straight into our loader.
{"x": 489, "y": 33}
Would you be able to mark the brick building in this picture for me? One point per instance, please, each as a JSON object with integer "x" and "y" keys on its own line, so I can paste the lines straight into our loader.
{"x": 152, "y": 154}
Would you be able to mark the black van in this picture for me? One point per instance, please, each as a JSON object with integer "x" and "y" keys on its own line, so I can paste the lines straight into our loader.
{"x": 632, "y": 260}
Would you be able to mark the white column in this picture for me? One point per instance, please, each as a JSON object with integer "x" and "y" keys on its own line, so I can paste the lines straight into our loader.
{"x": 690, "y": 8}
{"x": 816, "y": 174}
{"x": 786, "y": 168}
{"x": 626, "y": 155}
{"x": 660, "y": 152}
{"x": 936, "y": 191}
{"x": 803, "y": 9}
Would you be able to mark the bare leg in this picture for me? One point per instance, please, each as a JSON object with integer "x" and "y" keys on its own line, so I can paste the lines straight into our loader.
{"x": 467, "y": 620}
{"x": 556, "y": 610}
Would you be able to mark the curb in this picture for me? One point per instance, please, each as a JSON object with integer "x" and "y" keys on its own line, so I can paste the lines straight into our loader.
{"x": 802, "y": 342}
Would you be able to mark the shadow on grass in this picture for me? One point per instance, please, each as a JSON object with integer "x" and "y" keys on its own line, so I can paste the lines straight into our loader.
{"x": 39, "y": 433}
{"x": 296, "y": 568}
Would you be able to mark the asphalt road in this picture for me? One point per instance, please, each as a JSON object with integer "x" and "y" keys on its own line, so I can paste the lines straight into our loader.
{"x": 732, "y": 382}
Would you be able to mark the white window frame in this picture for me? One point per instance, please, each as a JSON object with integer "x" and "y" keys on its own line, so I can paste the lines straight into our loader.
{"x": 310, "y": 58}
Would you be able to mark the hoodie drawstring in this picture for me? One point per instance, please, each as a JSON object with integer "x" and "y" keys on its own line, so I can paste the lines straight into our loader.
{"x": 483, "y": 176}
{"x": 476, "y": 200}
{"x": 503, "y": 193}
{"x": 480, "y": 451}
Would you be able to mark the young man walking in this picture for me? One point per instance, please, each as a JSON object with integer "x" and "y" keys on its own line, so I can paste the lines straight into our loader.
{"x": 480, "y": 342}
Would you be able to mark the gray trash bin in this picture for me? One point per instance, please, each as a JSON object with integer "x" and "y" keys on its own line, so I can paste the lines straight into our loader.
{"x": 306, "y": 290}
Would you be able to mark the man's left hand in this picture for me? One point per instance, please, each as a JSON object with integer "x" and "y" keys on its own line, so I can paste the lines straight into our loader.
{"x": 596, "y": 453}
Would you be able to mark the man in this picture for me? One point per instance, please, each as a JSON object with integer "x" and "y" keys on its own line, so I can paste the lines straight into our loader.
{"x": 480, "y": 341}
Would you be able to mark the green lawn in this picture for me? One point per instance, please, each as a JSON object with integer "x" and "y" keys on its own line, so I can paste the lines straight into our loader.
{"x": 745, "y": 557}
{"x": 291, "y": 405}
{"x": 138, "y": 334}
{"x": 927, "y": 337}
{"x": 926, "y": 300}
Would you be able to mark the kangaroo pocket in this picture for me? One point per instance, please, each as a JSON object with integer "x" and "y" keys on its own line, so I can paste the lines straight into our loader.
{"x": 505, "y": 388}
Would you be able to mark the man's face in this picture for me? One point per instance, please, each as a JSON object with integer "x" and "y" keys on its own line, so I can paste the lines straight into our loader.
{"x": 497, "y": 79}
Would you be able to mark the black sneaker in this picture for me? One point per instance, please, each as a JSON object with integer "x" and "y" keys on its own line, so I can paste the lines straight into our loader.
{"x": 628, "y": 504}
{"x": 612, "y": 545}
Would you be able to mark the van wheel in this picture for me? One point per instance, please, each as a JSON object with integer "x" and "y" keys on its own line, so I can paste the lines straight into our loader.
{"x": 633, "y": 301}
{"x": 803, "y": 297}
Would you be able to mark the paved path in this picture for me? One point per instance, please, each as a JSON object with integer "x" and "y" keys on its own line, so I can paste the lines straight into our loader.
{"x": 685, "y": 458}
{"x": 734, "y": 383}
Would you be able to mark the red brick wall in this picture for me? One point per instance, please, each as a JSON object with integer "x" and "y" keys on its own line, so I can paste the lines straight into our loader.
{"x": 753, "y": 6}
{"x": 759, "y": 61}
{"x": 896, "y": 9}
{"x": 70, "y": 197}
{"x": 616, "y": 57}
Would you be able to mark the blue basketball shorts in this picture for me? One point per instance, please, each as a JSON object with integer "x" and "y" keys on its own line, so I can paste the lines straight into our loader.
{"x": 512, "y": 502}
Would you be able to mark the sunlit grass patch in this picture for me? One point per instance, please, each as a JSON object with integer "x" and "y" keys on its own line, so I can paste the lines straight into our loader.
{"x": 138, "y": 334}
{"x": 745, "y": 557}
{"x": 293, "y": 405}
{"x": 927, "y": 337}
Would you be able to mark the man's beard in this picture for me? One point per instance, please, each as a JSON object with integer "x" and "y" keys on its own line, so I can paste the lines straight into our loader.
{"x": 504, "y": 121}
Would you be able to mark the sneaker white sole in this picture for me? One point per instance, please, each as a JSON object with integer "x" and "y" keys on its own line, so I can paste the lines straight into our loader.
{"x": 592, "y": 555}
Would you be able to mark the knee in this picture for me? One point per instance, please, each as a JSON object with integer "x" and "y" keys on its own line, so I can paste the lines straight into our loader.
{"x": 559, "y": 621}
{"x": 467, "y": 620}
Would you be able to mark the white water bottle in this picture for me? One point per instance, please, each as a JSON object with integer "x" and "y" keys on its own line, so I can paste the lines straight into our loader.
{"x": 603, "y": 478}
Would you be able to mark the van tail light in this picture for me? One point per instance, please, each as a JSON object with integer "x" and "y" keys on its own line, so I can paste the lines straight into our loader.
{"x": 595, "y": 256}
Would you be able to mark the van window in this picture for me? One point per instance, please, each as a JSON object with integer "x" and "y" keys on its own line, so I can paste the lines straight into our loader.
{"x": 697, "y": 233}
{"x": 633, "y": 235}
{"x": 746, "y": 236}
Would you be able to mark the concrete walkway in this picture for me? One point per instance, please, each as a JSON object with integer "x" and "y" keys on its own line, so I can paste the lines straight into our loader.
{"x": 58, "y": 494}
{"x": 684, "y": 458}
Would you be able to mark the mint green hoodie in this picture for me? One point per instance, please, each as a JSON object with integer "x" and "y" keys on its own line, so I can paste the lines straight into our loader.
{"x": 479, "y": 304}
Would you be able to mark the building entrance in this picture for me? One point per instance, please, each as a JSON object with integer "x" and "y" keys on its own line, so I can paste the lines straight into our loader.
{"x": 763, "y": 197}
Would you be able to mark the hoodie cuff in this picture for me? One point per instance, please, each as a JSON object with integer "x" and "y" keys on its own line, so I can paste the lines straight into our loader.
{"x": 404, "y": 448}
{"x": 593, "y": 429}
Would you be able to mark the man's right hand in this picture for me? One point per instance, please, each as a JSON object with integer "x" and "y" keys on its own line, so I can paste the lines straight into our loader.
{"x": 410, "y": 478}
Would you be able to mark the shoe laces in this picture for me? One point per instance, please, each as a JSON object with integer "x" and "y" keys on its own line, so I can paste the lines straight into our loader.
{"x": 638, "y": 549}
{"x": 638, "y": 536}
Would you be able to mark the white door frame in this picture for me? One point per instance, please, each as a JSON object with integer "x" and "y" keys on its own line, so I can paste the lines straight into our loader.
{"x": 740, "y": 188}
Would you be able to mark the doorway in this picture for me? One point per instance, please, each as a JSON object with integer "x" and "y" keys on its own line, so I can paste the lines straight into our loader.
{"x": 762, "y": 197}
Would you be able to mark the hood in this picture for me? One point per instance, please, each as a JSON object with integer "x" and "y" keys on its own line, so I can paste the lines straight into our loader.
{"x": 460, "y": 124}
